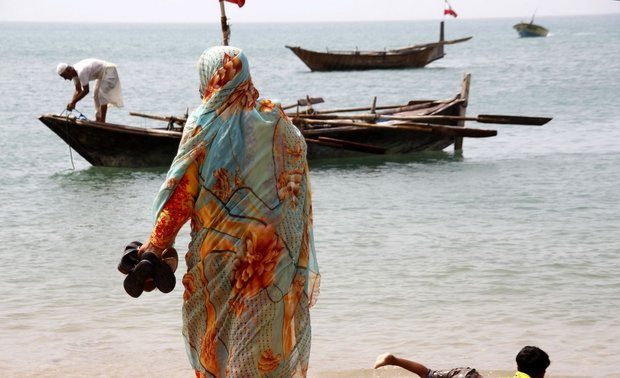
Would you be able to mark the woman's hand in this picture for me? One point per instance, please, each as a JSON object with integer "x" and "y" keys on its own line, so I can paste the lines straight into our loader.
{"x": 149, "y": 247}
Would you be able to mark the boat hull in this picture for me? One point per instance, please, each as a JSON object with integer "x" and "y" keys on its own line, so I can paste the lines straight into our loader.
{"x": 527, "y": 30}
{"x": 113, "y": 145}
{"x": 357, "y": 60}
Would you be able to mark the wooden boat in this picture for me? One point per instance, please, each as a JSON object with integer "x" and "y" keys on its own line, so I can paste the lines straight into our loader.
{"x": 418, "y": 125}
{"x": 529, "y": 29}
{"x": 415, "y": 56}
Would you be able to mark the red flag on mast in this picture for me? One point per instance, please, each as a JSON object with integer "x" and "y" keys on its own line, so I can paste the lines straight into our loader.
{"x": 238, "y": 2}
{"x": 446, "y": 10}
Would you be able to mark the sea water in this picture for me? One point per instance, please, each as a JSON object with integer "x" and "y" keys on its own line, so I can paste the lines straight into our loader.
{"x": 448, "y": 258}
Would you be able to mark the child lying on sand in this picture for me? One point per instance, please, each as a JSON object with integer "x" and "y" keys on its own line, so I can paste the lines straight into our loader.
{"x": 532, "y": 362}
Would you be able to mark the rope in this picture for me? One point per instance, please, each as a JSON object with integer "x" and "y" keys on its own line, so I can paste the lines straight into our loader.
{"x": 67, "y": 132}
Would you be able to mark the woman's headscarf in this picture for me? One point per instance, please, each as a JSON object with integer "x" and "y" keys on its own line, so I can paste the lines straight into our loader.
{"x": 215, "y": 68}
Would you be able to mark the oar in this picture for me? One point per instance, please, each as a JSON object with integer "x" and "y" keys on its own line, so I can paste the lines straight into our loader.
{"x": 305, "y": 102}
{"x": 444, "y": 130}
{"x": 178, "y": 120}
{"x": 483, "y": 118}
{"x": 448, "y": 42}
{"x": 512, "y": 120}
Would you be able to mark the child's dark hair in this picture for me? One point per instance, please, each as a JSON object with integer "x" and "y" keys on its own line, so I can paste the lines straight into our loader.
{"x": 532, "y": 360}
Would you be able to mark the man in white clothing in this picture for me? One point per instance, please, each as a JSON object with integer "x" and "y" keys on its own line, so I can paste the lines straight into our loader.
{"x": 107, "y": 84}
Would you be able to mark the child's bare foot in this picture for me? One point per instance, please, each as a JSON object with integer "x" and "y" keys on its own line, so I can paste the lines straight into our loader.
{"x": 383, "y": 359}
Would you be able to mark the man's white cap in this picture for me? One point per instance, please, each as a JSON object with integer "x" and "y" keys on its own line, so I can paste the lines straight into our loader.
{"x": 61, "y": 68}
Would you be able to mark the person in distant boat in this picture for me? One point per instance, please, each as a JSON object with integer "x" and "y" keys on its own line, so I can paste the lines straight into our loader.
{"x": 107, "y": 84}
{"x": 241, "y": 176}
{"x": 532, "y": 362}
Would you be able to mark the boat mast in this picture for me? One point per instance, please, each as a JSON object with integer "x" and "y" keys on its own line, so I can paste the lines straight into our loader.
{"x": 439, "y": 49}
{"x": 224, "y": 22}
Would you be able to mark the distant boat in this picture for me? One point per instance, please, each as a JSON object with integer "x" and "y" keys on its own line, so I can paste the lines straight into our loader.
{"x": 415, "y": 56}
{"x": 530, "y": 29}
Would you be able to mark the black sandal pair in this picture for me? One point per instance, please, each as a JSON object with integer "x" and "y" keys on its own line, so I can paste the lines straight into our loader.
{"x": 148, "y": 271}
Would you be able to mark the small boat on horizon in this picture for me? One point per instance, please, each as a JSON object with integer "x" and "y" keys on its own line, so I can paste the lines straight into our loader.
{"x": 530, "y": 29}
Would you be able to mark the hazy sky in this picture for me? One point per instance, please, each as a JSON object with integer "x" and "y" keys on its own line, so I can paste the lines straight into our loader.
{"x": 289, "y": 10}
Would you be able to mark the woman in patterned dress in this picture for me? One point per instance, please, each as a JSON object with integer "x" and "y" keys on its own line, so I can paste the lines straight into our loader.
{"x": 241, "y": 177}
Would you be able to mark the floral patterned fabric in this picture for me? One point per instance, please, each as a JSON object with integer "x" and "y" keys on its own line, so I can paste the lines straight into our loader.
{"x": 241, "y": 176}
